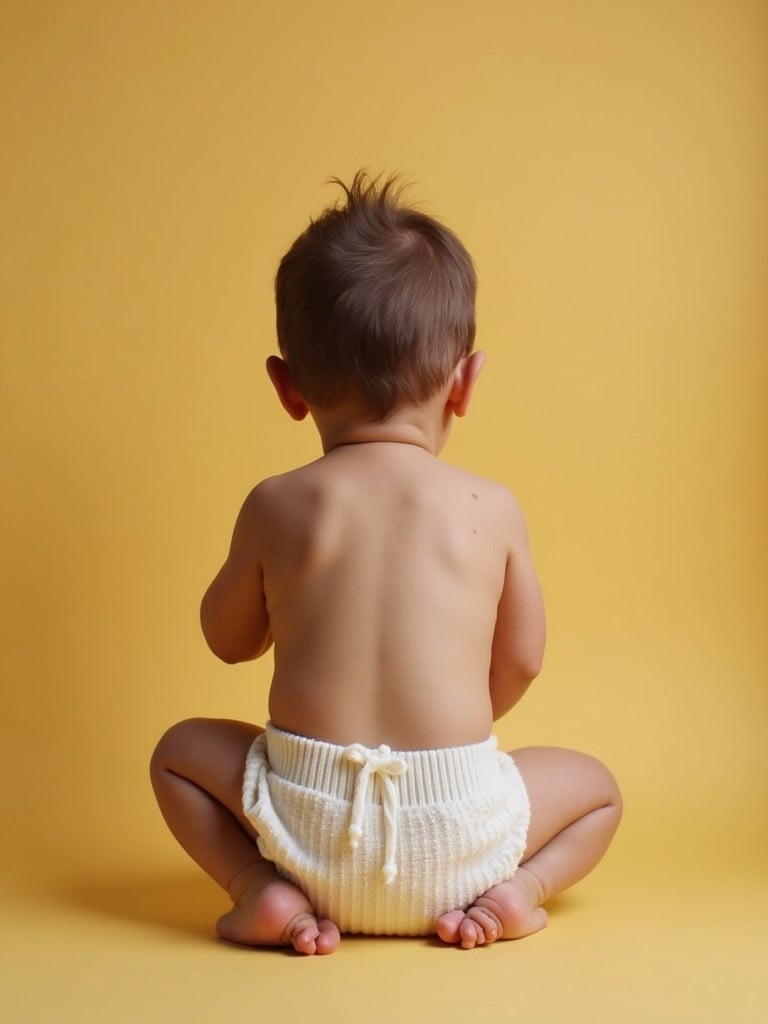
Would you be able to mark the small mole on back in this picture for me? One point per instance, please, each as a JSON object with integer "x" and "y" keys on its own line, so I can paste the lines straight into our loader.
{"x": 474, "y": 496}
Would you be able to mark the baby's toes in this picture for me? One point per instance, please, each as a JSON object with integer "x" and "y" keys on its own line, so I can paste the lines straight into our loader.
{"x": 329, "y": 937}
{"x": 449, "y": 925}
{"x": 471, "y": 934}
{"x": 301, "y": 933}
{"x": 487, "y": 922}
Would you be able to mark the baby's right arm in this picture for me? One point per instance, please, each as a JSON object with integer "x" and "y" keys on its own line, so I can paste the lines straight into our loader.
{"x": 233, "y": 613}
{"x": 518, "y": 640}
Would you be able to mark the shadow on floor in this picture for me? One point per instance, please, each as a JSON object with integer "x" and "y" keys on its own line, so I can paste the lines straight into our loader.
{"x": 175, "y": 903}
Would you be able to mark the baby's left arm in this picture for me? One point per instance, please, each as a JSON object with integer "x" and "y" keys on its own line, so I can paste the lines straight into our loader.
{"x": 233, "y": 613}
{"x": 518, "y": 641}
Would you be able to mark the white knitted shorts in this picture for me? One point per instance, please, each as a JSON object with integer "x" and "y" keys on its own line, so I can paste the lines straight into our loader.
{"x": 383, "y": 843}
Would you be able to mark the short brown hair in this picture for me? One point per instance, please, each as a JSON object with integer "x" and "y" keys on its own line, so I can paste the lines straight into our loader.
{"x": 374, "y": 300}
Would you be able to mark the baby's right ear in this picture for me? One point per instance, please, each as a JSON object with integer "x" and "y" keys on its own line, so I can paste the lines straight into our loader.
{"x": 287, "y": 392}
{"x": 463, "y": 382}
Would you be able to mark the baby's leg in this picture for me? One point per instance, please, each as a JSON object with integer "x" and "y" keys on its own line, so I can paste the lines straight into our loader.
{"x": 575, "y": 811}
{"x": 197, "y": 774}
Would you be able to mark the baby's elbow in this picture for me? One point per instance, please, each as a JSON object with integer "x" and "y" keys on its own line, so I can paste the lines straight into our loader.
{"x": 227, "y": 658}
{"x": 523, "y": 677}
{"x": 224, "y": 652}
{"x": 235, "y": 651}
{"x": 525, "y": 668}
{"x": 530, "y": 655}
{"x": 233, "y": 655}
{"x": 531, "y": 668}
{"x": 510, "y": 688}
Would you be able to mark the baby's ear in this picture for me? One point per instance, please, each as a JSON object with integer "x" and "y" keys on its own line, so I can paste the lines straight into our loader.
{"x": 463, "y": 382}
{"x": 287, "y": 392}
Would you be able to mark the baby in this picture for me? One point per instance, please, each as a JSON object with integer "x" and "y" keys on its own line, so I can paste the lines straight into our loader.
{"x": 406, "y": 617}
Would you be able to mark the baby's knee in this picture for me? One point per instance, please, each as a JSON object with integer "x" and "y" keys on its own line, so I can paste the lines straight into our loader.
{"x": 611, "y": 793}
{"x": 600, "y": 786}
{"x": 172, "y": 745}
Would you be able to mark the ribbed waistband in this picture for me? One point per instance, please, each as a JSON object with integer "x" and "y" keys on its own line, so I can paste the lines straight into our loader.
{"x": 432, "y": 776}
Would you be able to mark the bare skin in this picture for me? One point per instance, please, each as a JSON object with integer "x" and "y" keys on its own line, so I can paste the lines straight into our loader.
{"x": 390, "y": 584}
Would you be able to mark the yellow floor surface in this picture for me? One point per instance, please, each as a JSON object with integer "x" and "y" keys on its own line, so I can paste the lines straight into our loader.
{"x": 637, "y": 942}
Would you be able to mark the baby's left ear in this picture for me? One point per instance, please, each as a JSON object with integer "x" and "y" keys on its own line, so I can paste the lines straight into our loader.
{"x": 463, "y": 382}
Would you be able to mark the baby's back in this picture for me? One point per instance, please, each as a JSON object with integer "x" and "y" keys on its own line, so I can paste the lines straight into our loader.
{"x": 382, "y": 570}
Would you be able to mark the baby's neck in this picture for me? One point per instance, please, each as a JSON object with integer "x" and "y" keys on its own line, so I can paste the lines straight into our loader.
{"x": 425, "y": 426}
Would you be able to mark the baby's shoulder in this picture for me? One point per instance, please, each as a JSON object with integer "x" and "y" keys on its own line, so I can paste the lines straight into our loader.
{"x": 493, "y": 500}
{"x": 270, "y": 490}
{"x": 274, "y": 497}
{"x": 481, "y": 488}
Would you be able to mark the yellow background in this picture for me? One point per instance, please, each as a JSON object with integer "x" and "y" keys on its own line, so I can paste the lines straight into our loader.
{"x": 606, "y": 162}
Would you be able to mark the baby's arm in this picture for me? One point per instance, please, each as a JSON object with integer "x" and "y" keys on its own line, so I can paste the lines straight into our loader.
{"x": 518, "y": 640}
{"x": 233, "y": 613}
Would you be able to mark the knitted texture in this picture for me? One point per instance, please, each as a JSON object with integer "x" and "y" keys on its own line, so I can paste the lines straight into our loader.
{"x": 384, "y": 842}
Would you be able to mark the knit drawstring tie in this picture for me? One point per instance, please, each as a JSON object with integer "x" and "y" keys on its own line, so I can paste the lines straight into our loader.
{"x": 381, "y": 762}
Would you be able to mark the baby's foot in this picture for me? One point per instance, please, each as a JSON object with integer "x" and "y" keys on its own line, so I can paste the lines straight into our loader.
{"x": 510, "y": 910}
{"x": 271, "y": 911}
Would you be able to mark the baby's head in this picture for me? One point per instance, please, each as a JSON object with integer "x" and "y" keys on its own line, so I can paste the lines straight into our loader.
{"x": 375, "y": 302}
